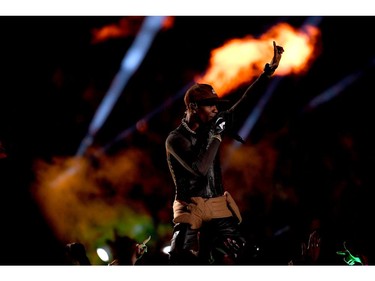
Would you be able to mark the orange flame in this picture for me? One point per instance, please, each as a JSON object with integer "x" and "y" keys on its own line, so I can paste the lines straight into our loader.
{"x": 240, "y": 60}
{"x": 127, "y": 26}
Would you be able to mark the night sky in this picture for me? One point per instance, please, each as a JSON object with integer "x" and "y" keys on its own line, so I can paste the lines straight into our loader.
{"x": 54, "y": 78}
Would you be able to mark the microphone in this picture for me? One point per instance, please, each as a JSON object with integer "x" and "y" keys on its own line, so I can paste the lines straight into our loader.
{"x": 228, "y": 118}
{"x": 236, "y": 137}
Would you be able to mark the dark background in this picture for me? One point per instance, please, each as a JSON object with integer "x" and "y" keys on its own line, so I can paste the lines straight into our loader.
{"x": 47, "y": 63}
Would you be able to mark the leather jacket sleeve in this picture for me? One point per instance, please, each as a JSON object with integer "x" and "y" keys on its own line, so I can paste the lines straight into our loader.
{"x": 197, "y": 161}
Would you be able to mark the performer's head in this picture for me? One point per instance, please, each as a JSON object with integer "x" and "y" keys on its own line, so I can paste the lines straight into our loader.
{"x": 201, "y": 103}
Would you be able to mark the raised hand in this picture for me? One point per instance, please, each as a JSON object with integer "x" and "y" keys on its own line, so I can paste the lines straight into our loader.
{"x": 277, "y": 53}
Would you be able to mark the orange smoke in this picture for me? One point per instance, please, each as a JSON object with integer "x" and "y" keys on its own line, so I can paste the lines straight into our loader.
{"x": 239, "y": 61}
{"x": 85, "y": 200}
{"x": 127, "y": 26}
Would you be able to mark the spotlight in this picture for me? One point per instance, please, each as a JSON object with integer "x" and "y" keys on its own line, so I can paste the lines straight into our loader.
{"x": 104, "y": 253}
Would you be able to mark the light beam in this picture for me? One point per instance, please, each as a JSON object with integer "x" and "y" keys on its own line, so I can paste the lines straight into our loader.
{"x": 129, "y": 65}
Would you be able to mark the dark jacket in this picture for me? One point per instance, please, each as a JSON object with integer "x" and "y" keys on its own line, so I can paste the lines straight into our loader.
{"x": 193, "y": 160}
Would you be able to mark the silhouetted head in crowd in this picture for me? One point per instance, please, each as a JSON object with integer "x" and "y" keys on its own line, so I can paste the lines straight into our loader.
{"x": 76, "y": 254}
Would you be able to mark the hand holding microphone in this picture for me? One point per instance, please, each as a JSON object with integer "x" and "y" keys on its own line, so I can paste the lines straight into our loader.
{"x": 219, "y": 125}
{"x": 224, "y": 123}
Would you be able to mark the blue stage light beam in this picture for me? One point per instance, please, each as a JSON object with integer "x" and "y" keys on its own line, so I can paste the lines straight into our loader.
{"x": 337, "y": 89}
{"x": 129, "y": 65}
{"x": 257, "y": 111}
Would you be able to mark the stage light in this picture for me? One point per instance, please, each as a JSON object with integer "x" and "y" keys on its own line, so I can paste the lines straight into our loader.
{"x": 104, "y": 253}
